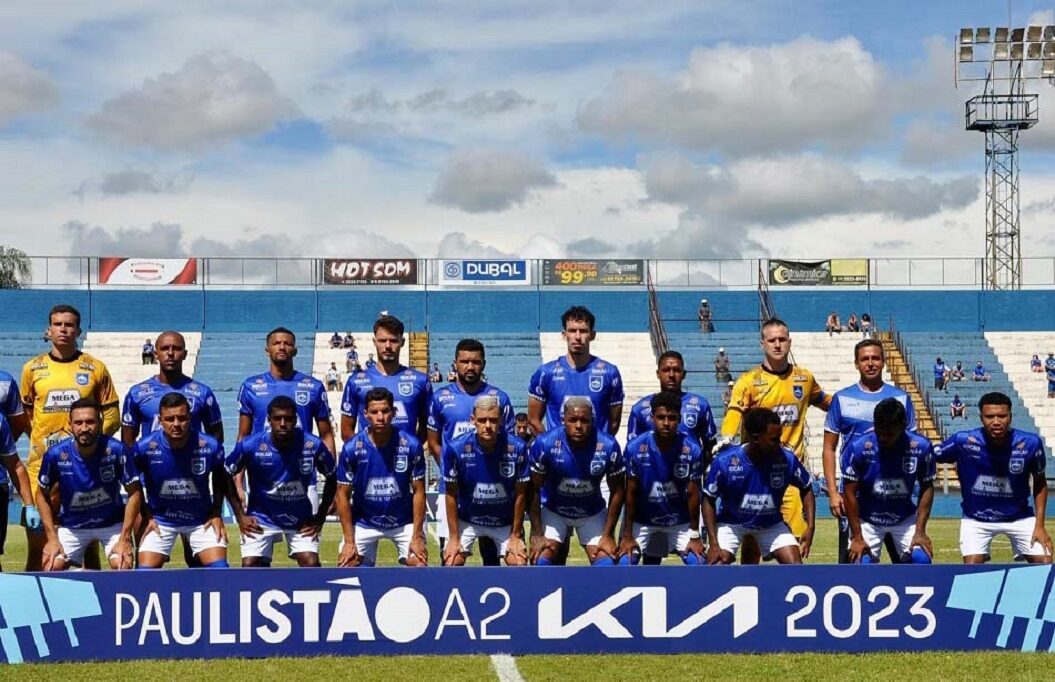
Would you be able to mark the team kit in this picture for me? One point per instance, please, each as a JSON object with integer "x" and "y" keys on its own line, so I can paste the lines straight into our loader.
{"x": 135, "y": 477}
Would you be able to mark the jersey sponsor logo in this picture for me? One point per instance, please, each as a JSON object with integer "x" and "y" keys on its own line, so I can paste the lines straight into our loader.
{"x": 176, "y": 488}
{"x": 90, "y": 498}
{"x": 382, "y": 487}
{"x": 758, "y": 504}
{"x": 406, "y": 389}
{"x": 402, "y": 462}
{"x": 490, "y": 493}
{"x": 286, "y": 490}
{"x": 908, "y": 465}
{"x": 1017, "y": 465}
{"x": 662, "y": 491}
{"x": 992, "y": 486}
{"x": 462, "y": 428}
{"x": 575, "y": 487}
{"x": 789, "y": 414}
{"x": 197, "y": 466}
{"x": 890, "y": 488}
{"x": 302, "y": 397}
{"x": 60, "y": 399}
{"x": 735, "y": 465}
{"x": 107, "y": 473}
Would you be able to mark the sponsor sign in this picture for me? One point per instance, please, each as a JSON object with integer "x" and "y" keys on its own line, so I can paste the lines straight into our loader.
{"x": 839, "y": 272}
{"x": 370, "y": 271}
{"x": 592, "y": 272}
{"x": 387, "y": 611}
{"x": 148, "y": 271}
{"x": 500, "y": 272}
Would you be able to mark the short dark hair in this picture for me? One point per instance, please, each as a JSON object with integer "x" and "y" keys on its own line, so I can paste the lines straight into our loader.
{"x": 379, "y": 393}
{"x": 670, "y": 354}
{"x": 578, "y": 313}
{"x": 890, "y": 412}
{"x": 282, "y": 402}
{"x": 470, "y": 346}
{"x": 667, "y": 399}
{"x": 86, "y": 404}
{"x": 391, "y": 324}
{"x": 772, "y": 322}
{"x": 173, "y": 399}
{"x": 758, "y": 419}
{"x": 867, "y": 343}
{"x": 173, "y": 334}
{"x": 65, "y": 308}
{"x": 994, "y": 398}
{"x": 521, "y": 417}
{"x": 280, "y": 330}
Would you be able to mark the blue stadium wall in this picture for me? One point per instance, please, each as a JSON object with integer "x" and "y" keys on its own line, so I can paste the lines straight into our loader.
{"x": 519, "y": 311}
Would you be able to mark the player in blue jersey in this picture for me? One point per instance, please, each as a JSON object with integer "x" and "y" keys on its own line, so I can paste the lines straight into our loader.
{"x": 744, "y": 488}
{"x": 282, "y": 464}
{"x": 850, "y": 417}
{"x": 663, "y": 470}
{"x": 381, "y": 488}
{"x": 487, "y": 476}
{"x": 450, "y": 416}
{"x": 568, "y": 464}
{"x": 89, "y": 471}
{"x": 1049, "y": 370}
{"x": 881, "y": 470}
{"x": 1000, "y": 468}
{"x": 577, "y": 373}
{"x": 14, "y": 421}
{"x": 178, "y": 464}
{"x": 696, "y": 416}
{"x": 411, "y": 389}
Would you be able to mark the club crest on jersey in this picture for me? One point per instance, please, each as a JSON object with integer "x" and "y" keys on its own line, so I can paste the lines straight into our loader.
{"x": 82, "y": 379}
{"x": 908, "y": 465}
{"x": 197, "y": 466}
{"x": 305, "y": 466}
{"x": 681, "y": 470}
{"x": 798, "y": 392}
{"x": 507, "y": 469}
{"x": 776, "y": 479}
{"x": 302, "y": 397}
{"x": 402, "y": 461}
{"x": 106, "y": 474}
{"x": 405, "y": 389}
{"x": 690, "y": 419}
{"x": 596, "y": 384}
{"x": 1017, "y": 465}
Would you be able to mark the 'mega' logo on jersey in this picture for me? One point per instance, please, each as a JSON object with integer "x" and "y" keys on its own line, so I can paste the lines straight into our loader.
{"x": 302, "y": 397}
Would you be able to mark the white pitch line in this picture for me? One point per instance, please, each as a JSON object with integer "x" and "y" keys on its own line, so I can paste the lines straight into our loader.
{"x": 506, "y": 668}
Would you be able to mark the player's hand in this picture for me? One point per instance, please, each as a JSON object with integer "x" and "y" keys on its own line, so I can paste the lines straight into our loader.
{"x": 538, "y": 546}
{"x": 516, "y": 552}
{"x": 696, "y": 547}
{"x": 33, "y": 520}
{"x": 922, "y": 540}
{"x": 151, "y": 526}
{"x": 451, "y": 549}
{"x": 835, "y": 504}
{"x": 312, "y": 527}
{"x": 420, "y": 550}
{"x": 52, "y": 551}
{"x": 627, "y": 547}
{"x": 349, "y": 556}
{"x": 805, "y": 543}
{"x": 218, "y": 527}
{"x": 857, "y": 549}
{"x": 714, "y": 554}
{"x": 607, "y": 546}
{"x": 123, "y": 552}
{"x": 1040, "y": 535}
{"x": 248, "y": 525}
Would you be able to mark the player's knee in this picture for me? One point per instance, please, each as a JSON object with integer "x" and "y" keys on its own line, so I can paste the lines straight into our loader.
{"x": 919, "y": 556}
{"x": 630, "y": 559}
{"x": 544, "y": 559}
{"x": 307, "y": 560}
{"x": 604, "y": 560}
{"x": 219, "y": 563}
{"x": 255, "y": 562}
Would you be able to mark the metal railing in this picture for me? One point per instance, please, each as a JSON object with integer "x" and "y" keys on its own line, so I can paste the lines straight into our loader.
{"x": 656, "y": 329}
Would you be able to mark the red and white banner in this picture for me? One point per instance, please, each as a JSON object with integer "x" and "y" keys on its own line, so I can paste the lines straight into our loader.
{"x": 148, "y": 271}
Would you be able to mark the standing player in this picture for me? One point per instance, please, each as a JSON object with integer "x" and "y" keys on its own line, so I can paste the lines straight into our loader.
{"x": 849, "y": 417}
{"x": 89, "y": 470}
{"x": 697, "y": 419}
{"x": 450, "y": 416}
{"x": 750, "y": 481}
{"x": 13, "y": 467}
{"x": 487, "y": 477}
{"x": 51, "y": 382}
{"x": 381, "y": 488}
{"x": 282, "y": 463}
{"x": 663, "y": 470}
{"x": 177, "y": 464}
{"x": 786, "y": 389}
{"x": 1000, "y": 468}
{"x": 15, "y": 422}
{"x": 881, "y": 470}
{"x": 568, "y": 464}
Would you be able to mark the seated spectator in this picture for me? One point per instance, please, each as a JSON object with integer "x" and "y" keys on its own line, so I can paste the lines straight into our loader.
{"x": 957, "y": 373}
{"x": 727, "y": 394}
{"x": 721, "y": 366}
{"x": 851, "y": 323}
{"x": 957, "y": 408}
{"x": 335, "y": 340}
{"x": 348, "y": 341}
{"x": 706, "y": 316}
{"x": 333, "y": 378}
{"x": 1036, "y": 365}
{"x": 523, "y": 428}
{"x": 434, "y": 375}
{"x": 370, "y": 362}
{"x": 940, "y": 374}
{"x": 351, "y": 360}
{"x": 832, "y": 325}
{"x": 148, "y": 353}
{"x": 866, "y": 326}
{"x": 452, "y": 374}
{"x": 979, "y": 372}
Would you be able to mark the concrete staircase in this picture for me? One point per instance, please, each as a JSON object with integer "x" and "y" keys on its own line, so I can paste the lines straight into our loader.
{"x": 1014, "y": 351}
{"x": 418, "y": 345}
{"x": 901, "y": 376}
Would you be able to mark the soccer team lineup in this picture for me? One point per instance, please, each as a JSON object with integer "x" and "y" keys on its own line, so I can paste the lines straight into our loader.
{"x": 518, "y": 491}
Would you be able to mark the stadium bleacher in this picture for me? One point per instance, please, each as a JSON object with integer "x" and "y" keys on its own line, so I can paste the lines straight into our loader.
{"x": 1014, "y": 350}
{"x": 511, "y": 359}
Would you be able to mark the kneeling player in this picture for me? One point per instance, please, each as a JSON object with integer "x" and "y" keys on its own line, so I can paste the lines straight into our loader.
{"x": 663, "y": 470}
{"x": 281, "y": 464}
{"x": 382, "y": 471}
{"x": 999, "y": 469}
{"x": 89, "y": 471}
{"x": 177, "y": 464}
{"x": 568, "y": 463}
{"x": 749, "y": 481}
{"x": 881, "y": 469}
{"x": 487, "y": 478}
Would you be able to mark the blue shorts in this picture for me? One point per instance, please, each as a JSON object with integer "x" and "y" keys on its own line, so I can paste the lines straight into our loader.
{"x": 1051, "y": 386}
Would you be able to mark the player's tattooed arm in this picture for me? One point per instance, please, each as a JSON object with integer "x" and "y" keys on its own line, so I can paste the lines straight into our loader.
{"x": 219, "y": 491}
{"x": 453, "y": 549}
{"x": 517, "y": 554}
{"x": 349, "y": 556}
{"x": 710, "y": 524}
{"x": 124, "y": 550}
{"x": 418, "y": 548}
{"x": 627, "y": 544}
{"x": 853, "y": 519}
{"x": 536, "y": 412}
{"x": 695, "y": 544}
{"x": 538, "y": 535}
{"x": 926, "y": 501}
{"x": 616, "y": 495}
{"x": 52, "y": 557}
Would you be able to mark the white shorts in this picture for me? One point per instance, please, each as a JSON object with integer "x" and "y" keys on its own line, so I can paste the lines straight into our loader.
{"x": 589, "y": 529}
{"x": 769, "y": 539}
{"x": 367, "y": 538}
{"x": 469, "y": 532}
{"x": 660, "y": 541}
{"x": 75, "y": 540}
{"x": 441, "y": 517}
{"x": 901, "y": 533}
{"x": 977, "y": 536}
{"x": 263, "y": 544}
{"x": 200, "y": 537}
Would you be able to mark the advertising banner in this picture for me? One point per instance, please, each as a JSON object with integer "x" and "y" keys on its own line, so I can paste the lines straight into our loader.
{"x": 838, "y": 271}
{"x": 386, "y": 611}
{"x": 148, "y": 271}
{"x": 592, "y": 272}
{"x": 849, "y": 271}
{"x": 370, "y": 271}
{"x": 487, "y": 272}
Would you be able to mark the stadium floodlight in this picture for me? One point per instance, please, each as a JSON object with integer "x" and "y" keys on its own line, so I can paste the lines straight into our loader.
{"x": 966, "y": 36}
{"x": 1049, "y": 33}
{"x": 1047, "y": 68}
{"x": 1049, "y": 50}
{"x": 1018, "y": 35}
{"x": 1033, "y": 33}
{"x": 983, "y": 35}
{"x": 1016, "y": 51}
{"x": 966, "y": 53}
{"x": 1033, "y": 51}
{"x": 1001, "y": 35}
{"x": 1001, "y": 52}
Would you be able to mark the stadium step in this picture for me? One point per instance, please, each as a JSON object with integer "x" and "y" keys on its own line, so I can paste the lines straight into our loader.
{"x": 419, "y": 351}
{"x": 122, "y": 353}
{"x": 1015, "y": 350}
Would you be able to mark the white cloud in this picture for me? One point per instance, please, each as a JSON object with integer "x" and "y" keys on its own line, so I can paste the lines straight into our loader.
{"x": 23, "y": 89}
{"x": 214, "y": 97}
{"x": 480, "y": 181}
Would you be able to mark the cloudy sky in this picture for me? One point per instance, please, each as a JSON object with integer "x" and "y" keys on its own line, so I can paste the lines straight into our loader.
{"x": 700, "y": 129}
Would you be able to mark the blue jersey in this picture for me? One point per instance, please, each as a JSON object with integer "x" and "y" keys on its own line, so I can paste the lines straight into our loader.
{"x": 750, "y": 494}
{"x": 10, "y": 406}
{"x": 556, "y": 381}
{"x": 886, "y": 478}
{"x": 1049, "y": 368}
{"x": 696, "y": 419}
{"x": 663, "y": 478}
{"x": 939, "y": 370}
{"x": 279, "y": 480}
{"x": 451, "y": 408}
{"x": 995, "y": 482}
{"x": 850, "y": 413}
{"x": 142, "y": 404}
{"x": 486, "y": 481}
{"x": 382, "y": 478}
{"x": 7, "y": 441}
{"x": 177, "y": 482}
{"x": 572, "y": 486}
{"x": 89, "y": 489}
{"x": 307, "y": 392}
{"x": 410, "y": 389}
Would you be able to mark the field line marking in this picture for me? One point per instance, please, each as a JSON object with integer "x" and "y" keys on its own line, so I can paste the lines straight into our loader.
{"x": 506, "y": 668}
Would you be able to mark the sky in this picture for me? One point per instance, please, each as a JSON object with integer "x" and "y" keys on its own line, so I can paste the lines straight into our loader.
{"x": 702, "y": 129}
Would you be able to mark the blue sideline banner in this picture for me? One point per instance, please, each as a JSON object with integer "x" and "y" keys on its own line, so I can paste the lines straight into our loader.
{"x": 309, "y": 612}
{"x": 493, "y": 272}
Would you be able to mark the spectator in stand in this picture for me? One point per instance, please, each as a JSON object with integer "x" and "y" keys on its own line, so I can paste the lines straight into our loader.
{"x": 957, "y": 373}
{"x": 370, "y": 362}
{"x": 351, "y": 360}
{"x": 940, "y": 373}
{"x": 333, "y": 378}
{"x": 833, "y": 324}
{"x": 523, "y": 428}
{"x": 851, "y": 323}
{"x": 957, "y": 409}
{"x": 434, "y": 375}
{"x": 721, "y": 366}
{"x": 727, "y": 394}
{"x": 452, "y": 373}
{"x": 1049, "y": 369}
{"x": 149, "y": 357}
{"x": 335, "y": 340}
{"x": 1036, "y": 365}
{"x": 349, "y": 341}
{"x": 866, "y": 326}
{"x": 979, "y": 372}
{"x": 706, "y": 316}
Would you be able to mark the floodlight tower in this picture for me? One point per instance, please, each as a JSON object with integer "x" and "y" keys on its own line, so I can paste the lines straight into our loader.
{"x": 1003, "y": 59}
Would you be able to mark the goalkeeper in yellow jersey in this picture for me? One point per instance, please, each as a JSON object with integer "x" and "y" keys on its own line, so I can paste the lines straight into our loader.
{"x": 786, "y": 389}
{"x": 51, "y": 382}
